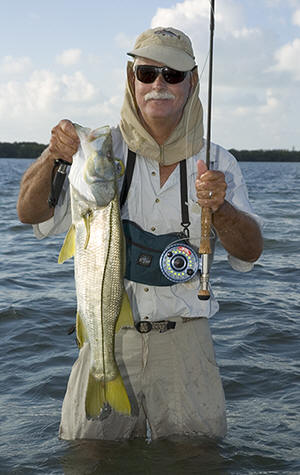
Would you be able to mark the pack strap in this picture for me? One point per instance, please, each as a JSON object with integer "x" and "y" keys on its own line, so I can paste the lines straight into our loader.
{"x": 127, "y": 176}
{"x": 184, "y": 199}
{"x": 131, "y": 158}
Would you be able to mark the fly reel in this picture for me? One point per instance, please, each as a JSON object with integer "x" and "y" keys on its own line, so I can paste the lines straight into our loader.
{"x": 179, "y": 262}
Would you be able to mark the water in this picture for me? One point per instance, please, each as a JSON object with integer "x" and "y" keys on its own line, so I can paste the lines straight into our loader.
{"x": 256, "y": 337}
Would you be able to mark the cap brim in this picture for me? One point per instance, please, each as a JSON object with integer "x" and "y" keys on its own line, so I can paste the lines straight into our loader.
{"x": 174, "y": 58}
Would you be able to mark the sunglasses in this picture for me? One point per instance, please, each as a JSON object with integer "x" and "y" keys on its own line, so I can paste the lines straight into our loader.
{"x": 148, "y": 74}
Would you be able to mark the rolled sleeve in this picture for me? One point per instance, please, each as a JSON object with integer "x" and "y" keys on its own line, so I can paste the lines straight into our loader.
{"x": 237, "y": 195}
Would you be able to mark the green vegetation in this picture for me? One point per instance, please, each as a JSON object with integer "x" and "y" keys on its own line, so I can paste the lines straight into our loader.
{"x": 21, "y": 149}
{"x": 33, "y": 150}
{"x": 266, "y": 155}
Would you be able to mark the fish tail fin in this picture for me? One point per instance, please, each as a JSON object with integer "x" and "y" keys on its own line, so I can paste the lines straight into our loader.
{"x": 116, "y": 395}
{"x": 100, "y": 393}
{"x": 95, "y": 397}
{"x": 125, "y": 318}
{"x": 68, "y": 248}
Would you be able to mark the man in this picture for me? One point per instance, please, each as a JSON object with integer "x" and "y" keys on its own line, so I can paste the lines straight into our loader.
{"x": 169, "y": 372}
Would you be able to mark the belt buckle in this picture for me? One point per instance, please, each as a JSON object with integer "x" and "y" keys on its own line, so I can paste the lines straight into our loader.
{"x": 143, "y": 327}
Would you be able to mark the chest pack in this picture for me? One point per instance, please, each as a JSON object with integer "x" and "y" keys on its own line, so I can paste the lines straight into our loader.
{"x": 160, "y": 260}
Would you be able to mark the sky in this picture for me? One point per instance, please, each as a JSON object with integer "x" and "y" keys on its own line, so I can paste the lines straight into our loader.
{"x": 67, "y": 59}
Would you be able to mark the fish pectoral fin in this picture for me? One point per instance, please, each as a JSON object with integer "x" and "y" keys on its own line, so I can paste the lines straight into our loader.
{"x": 87, "y": 223}
{"x": 125, "y": 318}
{"x": 99, "y": 393}
{"x": 68, "y": 248}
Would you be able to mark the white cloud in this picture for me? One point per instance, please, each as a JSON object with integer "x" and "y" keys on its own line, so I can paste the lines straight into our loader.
{"x": 287, "y": 58}
{"x": 269, "y": 107}
{"x": 34, "y": 105}
{"x": 10, "y": 65}
{"x": 42, "y": 92}
{"x": 246, "y": 32}
{"x": 193, "y": 15}
{"x": 250, "y": 100}
{"x": 124, "y": 41}
{"x": 77, "y": 88}
{"x": 69, "y": 57}
{"x": 296, "y": 17}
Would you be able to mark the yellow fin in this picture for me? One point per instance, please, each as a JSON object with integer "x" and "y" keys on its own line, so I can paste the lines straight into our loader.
{"x": 87, "y": 222}
{"x": 117, "y": 397}
{"x": 80, "y": 331}
{"x": 68, "y": 248}
{"x": 125, "y": 318}
{"x": 113, "y": 393}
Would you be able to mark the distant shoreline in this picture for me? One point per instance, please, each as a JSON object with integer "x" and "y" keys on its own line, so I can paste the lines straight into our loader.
{"x": 33, "y": 150}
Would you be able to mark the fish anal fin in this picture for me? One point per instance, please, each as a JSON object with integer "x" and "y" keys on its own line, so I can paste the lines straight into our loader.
{"x": 99, "y": 394}
{"x": 80, "y": 331}
{"x": 125, "y": 318}
{"x": 68, "y": 248}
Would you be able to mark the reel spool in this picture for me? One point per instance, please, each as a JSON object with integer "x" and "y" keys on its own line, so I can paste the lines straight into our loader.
{"x": 179, "y": 262}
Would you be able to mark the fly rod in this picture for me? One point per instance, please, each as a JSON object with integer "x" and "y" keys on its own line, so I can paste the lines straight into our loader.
{"x": 205, "y": 247}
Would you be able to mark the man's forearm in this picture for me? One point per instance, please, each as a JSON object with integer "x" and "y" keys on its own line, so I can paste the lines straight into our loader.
{"x": 34, "y": 191}
{"x": 238, "y": 232}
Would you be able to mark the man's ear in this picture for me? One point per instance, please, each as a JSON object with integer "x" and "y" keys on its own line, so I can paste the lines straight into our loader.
{"x": 131, "y": 77}
{"x": 194, "y": 79}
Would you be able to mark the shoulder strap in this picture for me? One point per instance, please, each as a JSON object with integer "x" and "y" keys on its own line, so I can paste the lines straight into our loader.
{"x": 127, "y": 176}
{"x": 184, "y": 198}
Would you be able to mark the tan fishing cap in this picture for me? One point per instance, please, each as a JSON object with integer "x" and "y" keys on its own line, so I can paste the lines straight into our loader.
{"x": 167, "y": 46}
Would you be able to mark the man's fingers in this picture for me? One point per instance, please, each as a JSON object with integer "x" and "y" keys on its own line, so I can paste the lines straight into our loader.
{"x": 201, "y": 168}
{"x": 64, "y": 140}
{"x": 68, "y": 128}
{"x": 211, "y": 189}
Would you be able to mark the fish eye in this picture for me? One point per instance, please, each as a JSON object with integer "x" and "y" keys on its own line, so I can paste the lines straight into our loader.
{"x": 120, "y": 168}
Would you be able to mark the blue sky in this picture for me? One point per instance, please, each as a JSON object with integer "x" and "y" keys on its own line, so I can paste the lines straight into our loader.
{"x": 67, "y": 59}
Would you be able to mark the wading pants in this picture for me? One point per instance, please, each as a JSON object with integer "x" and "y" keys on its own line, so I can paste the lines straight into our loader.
{"x": 172, "y": 381}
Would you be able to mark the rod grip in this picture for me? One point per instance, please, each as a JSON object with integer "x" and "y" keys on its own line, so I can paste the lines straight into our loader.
{"x": 205, "y": 247}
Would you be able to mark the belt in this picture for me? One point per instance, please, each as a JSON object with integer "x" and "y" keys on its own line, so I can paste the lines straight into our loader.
{"x": 161, "y": 326}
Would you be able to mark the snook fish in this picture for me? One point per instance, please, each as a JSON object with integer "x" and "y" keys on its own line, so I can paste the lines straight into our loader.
{"x": 96, "y": 240}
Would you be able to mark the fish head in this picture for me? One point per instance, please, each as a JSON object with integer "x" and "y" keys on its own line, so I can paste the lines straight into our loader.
{"x": 100, "y": 175}
{"x": 93, "y": 172}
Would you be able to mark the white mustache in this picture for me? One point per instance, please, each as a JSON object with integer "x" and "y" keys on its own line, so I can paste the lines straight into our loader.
{"x": 158, "y": 95}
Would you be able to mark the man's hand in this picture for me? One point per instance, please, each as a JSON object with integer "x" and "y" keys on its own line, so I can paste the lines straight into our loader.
{"x": 211, "y": 187}
{"x": 238, "y": 232}
{"x": 64, "y": 141}
{"x": 35, "y": 186}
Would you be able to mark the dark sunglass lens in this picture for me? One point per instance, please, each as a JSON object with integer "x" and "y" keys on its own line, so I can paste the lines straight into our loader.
{"x": 172, "y": 76}
{"x": 146, "y": 74}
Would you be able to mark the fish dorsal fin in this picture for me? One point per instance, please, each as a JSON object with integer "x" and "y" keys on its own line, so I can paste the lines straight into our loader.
{"x": 125, "y": 318}
{"x": 68, "y": 248}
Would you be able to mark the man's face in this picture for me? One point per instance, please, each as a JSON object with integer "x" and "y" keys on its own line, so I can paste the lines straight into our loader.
{"x": 169, "y": 109}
